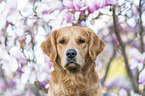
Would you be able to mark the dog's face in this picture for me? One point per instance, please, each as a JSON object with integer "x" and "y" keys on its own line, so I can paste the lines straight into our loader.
{"x": 72, "y": 45}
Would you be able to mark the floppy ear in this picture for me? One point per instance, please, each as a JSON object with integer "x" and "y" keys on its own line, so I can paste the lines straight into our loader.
{"x": 96, "y": 45}
{"x": 49, "y": 46}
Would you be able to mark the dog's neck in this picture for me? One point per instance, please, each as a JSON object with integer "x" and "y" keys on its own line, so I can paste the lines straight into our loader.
{"x": 75, "y": 83}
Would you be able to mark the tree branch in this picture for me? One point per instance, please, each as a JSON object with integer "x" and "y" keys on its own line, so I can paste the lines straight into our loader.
{"x": 116, "y": 31}
{"x": 141, "y": 27}
{"x": 108, "y": 65}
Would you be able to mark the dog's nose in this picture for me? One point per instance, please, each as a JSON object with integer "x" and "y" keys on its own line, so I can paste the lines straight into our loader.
{"x": 71, "y": 53}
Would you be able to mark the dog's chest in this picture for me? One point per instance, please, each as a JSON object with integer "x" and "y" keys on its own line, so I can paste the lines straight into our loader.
{"x": 61, "y": 90}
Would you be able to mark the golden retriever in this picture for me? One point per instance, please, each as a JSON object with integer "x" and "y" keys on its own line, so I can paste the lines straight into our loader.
{"x": 73, "y": 51}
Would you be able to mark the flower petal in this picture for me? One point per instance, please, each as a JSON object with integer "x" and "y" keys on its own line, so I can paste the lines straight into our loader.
{"x": 142, "y": 77}
{"x": 32, "y": 77}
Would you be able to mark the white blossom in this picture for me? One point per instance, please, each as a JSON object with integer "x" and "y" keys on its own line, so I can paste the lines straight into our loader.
{"x": 137, "y": 59}
{"x": 123, "y": 92}
{"x": 9, "y": 63}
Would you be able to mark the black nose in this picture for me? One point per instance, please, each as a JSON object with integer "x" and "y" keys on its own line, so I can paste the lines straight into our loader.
{"x": 71, "y": 53}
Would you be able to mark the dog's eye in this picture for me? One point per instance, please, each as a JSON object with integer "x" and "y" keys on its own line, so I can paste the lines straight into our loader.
{"x": 81, "y": 41}
{"x": 62, "y": 42}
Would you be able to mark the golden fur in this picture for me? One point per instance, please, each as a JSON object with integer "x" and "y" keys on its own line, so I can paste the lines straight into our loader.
{"x": 85, "y": 81}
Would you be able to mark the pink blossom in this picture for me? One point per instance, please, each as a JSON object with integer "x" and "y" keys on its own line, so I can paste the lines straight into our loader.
{"x": 94, "y": 5}
{"x": 2, "y": 21}
{"x": 132, "y": 93}
{"x": 142, "y": 77}
{"x": 77, "y": 15}
{"x": 69, "y": 17}
{"x": 134, "y": 10}
{"x": 32, "y": 77}
{"x": 47, "y": 8}
{"x": 123, "y": 92}
{"x": 11, "y": 18}
{"x": 30, "y": 93}
{"x": 11, "y": 82}
{"x": 44, "y": 83}
{"x": 57, "y": 3}
{"x": 10, "y": 64}
{"x": 45, "y": 12}
{"x": 18, "y": 55}
{"x": 76, "y": 5}
{"x": 115, "y": 41}
{"x": 108, "y": 2}
{"x": 137, "y": 59}
{"x": 69, "y": 4}
{"x": 41, "y": 76}
{"x": 11, "y": 6}
{"x": 3, "y": 85}
{"x": 64, "y": 18}
{"x": 118, "y": 82}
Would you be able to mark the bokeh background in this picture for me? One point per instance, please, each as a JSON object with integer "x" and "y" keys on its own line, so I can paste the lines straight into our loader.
{"x": 25, "y": 24}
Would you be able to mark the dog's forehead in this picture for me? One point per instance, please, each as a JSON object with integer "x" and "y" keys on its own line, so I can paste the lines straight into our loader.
{"x": 72, "y": 31}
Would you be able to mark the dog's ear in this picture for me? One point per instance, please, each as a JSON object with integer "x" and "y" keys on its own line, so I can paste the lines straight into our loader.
{"x": 96, "y": 45}
{"x": 49, "y": 46}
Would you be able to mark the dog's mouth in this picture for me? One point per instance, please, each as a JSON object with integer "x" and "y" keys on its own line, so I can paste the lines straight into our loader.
{"x": 72, "y": 66}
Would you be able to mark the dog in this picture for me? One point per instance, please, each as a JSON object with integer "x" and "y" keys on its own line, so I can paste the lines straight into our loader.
{"x": 73, "y": 51}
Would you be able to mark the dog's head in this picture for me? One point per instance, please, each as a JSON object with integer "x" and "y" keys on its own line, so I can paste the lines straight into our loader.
{"x": 72, "y": 45}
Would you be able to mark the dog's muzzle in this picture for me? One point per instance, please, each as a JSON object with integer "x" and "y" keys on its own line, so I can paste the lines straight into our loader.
{"x": 71, "y": 64}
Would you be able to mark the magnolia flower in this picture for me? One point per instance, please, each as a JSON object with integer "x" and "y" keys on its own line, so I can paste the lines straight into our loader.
{"x": 75, "y": 5}
{"x": 120, "y": 2}
{"x": 18, "y": 55}
{"x": 47, "y": 8}
{"x": 115, "y": 41}
{"x": 42, "y": 8}
{"x": 68, "y": 4}
{"x": 11, "y": 18}
{"x": 41, "y": 76}
{"x": 11, "y": 6}
{"x": 44, "y": 84}
{"x": 3, "y": 85}
{"x": 137, "y": 59}
{"x": 141, "y": 87}
{"x": 22, "y": 4}
{"x": 110, "y": 94}
{"x": 79, "y": 4}
{"x": 2, "y": 21}
{"x": 30, "y": 93}
{"x": 10, "y": 64}
{"x": 142, "y": 77}
{"x": 3, "y": 52}
{"x": 64, "y": 18}
{"x": 25, "y": 75}
{"x": 134, "y": 10}
{"x": 123, "y": 92}
{"x": 134, "y": 94}
{"x": 77, "y": 15}
{"x": 19, "y": 29}
{"x": 32, "y": 77}
{"x": 94, "y": 5}
{"x": 68, "y": 17}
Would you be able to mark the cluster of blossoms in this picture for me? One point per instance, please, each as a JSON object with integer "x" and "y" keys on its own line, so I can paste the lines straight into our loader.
{"x": 24, "y": 24}
{"x": 137, "y": 60}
